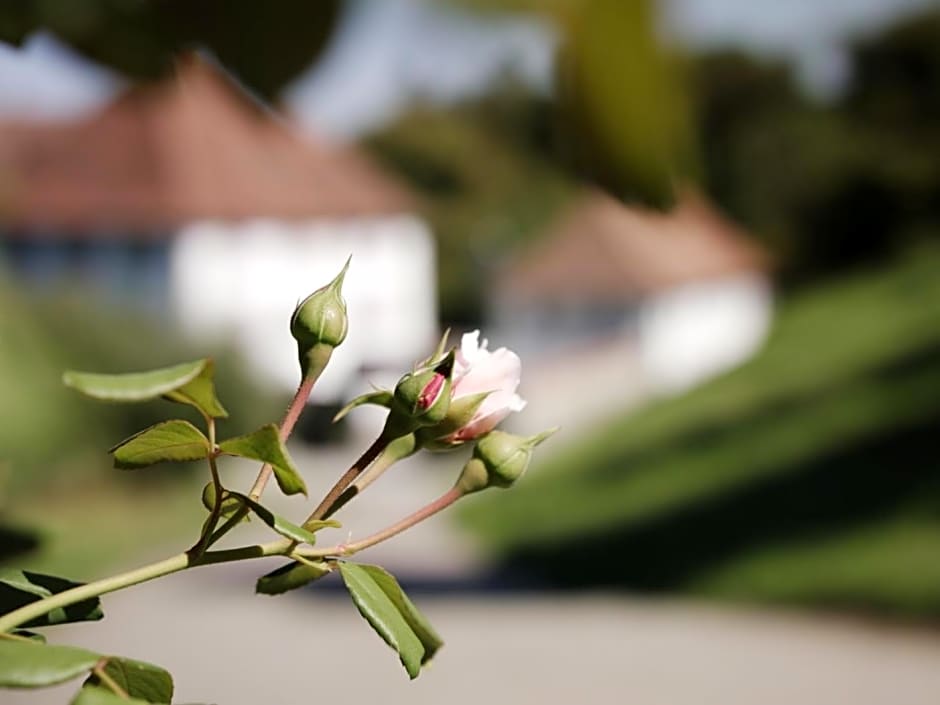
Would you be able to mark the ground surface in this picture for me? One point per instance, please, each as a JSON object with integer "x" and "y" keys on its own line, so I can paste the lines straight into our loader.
{"x": 227, "y": 646}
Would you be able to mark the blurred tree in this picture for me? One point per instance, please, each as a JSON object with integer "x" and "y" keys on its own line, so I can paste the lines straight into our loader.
{"x": 264, "y": 44}
{"x": 897, "y": 76}
{"x": 771, "y": 156}
{"x": 486, "y": 180}
{"x": 621, "y": 121}
{"x": 622, "y": 117}
{"x": 828, "y": 186}
{"x": 895, "y": 97}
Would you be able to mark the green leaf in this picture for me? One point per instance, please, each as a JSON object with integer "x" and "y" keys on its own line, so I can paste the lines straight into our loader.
{"x": 291, "y": 576}
{"x": 231, "y": 502}
{"x": 98, "y": 695}
{"x": 187, "y": 383}
{"x": 35, "y": 636}
{"x": 135, "y": 386}
{"x": 280, "y": 524}
{"x": 24, "y": 664}
{"x": 416, "y": 620}
{"x": 438, "y": 353}
{"x": 315, "y": 525}
{"x": 200, "y": 393}
{"x": 381, "y": 601}
{"x": 265, "y": 445}
{"x": 21, "y": 587}
{"x": 379, "y": 397}
{"x": 138, "y": 679}
{"x": 168, "y": 441}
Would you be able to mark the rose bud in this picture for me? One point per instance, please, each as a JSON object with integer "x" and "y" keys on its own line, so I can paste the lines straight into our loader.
{"x": 423, "y": 396}
{"x": 499, "y": 459}
{"x": 319, "y": 324}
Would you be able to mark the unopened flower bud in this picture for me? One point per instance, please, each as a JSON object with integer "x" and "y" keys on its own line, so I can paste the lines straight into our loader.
{"x": 319, "y": 324}
{"x": 503, "y": 456}
{"x": 423, "y": 396}
{"x": 474, "y": 477}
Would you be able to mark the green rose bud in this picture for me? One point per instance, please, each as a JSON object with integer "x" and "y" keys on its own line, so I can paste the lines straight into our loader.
{"x": 499, "y": 459}
{"x": 474, "y": 476}
{"x": 423, "y": 396}
{"x": 319, "y": 324}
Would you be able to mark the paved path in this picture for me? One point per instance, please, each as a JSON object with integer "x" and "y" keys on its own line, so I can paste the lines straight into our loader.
{"x": 230, "y": 647}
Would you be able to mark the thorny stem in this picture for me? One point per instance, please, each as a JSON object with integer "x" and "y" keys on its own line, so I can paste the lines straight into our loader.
{"x": 216, "y": 510}
{"x": 441, "y": 503}
{"x": 173, "y": 564}
{"x": 396, "y": 450}
{"x": 183, "y": 561}
{"x": 294, "y": 409}
{"x": 327, "y": 504}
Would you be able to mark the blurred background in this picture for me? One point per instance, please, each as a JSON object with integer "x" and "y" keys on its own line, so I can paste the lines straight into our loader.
{"x": 709, "y": 228}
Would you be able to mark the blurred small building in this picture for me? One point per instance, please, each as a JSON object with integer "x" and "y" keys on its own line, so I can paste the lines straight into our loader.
{"x": 686, "y": 294}
{"x": 191, "y": 199}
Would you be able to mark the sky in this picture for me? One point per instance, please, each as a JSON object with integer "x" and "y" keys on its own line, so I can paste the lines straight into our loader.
{"x": 46, "y": 80}
{"x": 391, "y": 52}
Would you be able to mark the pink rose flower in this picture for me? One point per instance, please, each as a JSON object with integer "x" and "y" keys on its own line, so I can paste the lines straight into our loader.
{"x": 477, "y": 370}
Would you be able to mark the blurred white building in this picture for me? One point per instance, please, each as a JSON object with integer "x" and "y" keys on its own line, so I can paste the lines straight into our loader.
{"x": 188, "y": 198}
{"x": 684, "y": 294}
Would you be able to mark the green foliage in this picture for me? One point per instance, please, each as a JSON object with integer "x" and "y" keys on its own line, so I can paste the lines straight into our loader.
{"x": 828, "y": 186}
{"x": 625, "y": 116}
{"x": 381, "y": 601}
{"x": 35, "y": 636}
{"x": 134, "y": 386}
{"x": 281, "y": 525}
{"x": 487, "y": 180}
{"x": 897, "y": 76}
{"x": 380, "y": 397}
{"x": 95, "y": 695}
{"x": 169, "y": 441}
{"x": 772, "y": 481}
{"x": 41, "y": 337}
{"x": 266, "y": 46}
{"x": 187, "y": 383}
{"x": 199, "y": 392}
{"x": 24, "y": 664}
{"x": 265, "y": 445}
{"x": 291, "y": 576}
{"x": 231, "y": 501}
{"x": 138, "y": 679}
{"x": 621, "y": 117}
{"x": 33, "y": 599}
{"x": 22, "y": 587}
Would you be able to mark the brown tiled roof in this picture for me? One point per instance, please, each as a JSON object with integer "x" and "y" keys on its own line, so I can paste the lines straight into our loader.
{"x": 193, "y": 147}
{"x": 603, "y": 250}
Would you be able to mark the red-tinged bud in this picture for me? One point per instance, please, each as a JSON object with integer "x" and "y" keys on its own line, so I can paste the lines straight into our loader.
{"x": 431, "y": 392}
{"x": 422, "y": 397}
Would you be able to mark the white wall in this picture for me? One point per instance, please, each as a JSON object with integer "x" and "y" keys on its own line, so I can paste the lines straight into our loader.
{"x": 241, "y": 282}
{"x": 695, "y": 331}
